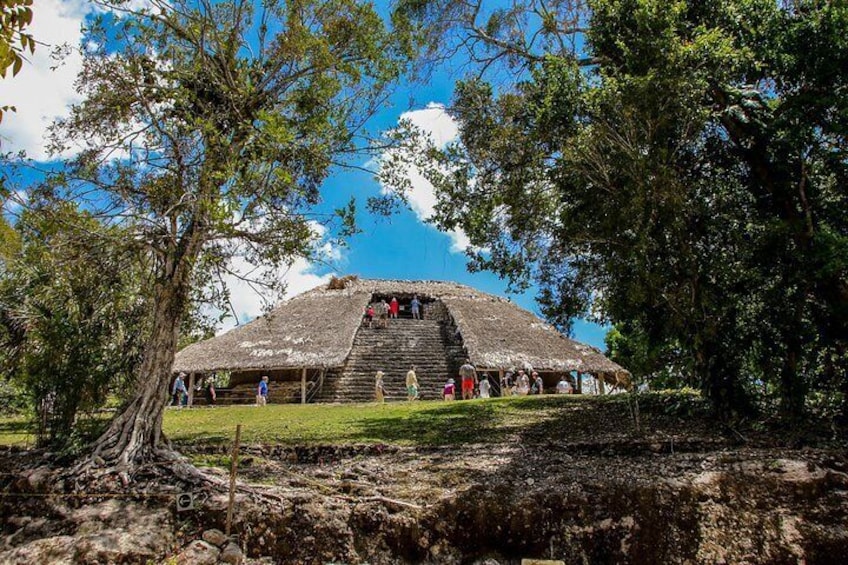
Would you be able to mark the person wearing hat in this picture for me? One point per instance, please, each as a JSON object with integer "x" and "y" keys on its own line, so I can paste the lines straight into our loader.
{"x": 179, "y": 392}
{"x": 449, "y": 392}
{"x": 379, "y": 391}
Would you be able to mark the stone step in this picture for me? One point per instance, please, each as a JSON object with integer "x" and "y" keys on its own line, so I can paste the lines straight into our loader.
{"x": 427, "y": 344}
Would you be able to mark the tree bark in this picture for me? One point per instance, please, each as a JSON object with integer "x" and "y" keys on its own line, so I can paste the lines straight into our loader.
{"x": 135, "y": 436}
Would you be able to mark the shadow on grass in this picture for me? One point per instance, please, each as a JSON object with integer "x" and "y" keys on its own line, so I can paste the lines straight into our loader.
{"x": 443, "y": 424}
{"x": 20, "y": 427}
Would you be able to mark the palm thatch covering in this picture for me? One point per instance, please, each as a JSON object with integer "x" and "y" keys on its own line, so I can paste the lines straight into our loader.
{"x": 498, "y": 334}
{"x": 316, "y": 330}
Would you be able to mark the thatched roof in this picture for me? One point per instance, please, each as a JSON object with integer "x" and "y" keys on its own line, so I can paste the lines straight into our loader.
{"x": 499, "y": 334}
{"x": 316, "y": 329}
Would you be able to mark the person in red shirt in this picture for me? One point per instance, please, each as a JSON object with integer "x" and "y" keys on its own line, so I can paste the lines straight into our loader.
{"x": 394, "y": 307}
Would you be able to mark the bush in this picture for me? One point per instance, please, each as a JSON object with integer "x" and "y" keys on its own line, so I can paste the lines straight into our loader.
{"x": 13, "y": 399}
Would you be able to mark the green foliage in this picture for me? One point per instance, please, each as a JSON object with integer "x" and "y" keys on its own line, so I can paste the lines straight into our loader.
{"x": 682, "y": 177}
{"x": 15, "y": 17}
{"x": 73, "y": 318}
{"x": 13, "y": 399}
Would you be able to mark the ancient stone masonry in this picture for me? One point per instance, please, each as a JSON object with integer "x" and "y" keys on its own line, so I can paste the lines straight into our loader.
{"x": 394, "y": 350}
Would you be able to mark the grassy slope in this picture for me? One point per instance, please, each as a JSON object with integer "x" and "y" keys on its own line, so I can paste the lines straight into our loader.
{"x": 402, "y": 423}
{"x": 549, "y": 418}
{"x": 16, "y": 431}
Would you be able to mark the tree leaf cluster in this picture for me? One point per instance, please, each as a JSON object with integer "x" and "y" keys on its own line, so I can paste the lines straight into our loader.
{"x": 73, "y": 316}
{"x": 15, "y": 18}
{"x": 680, "y": 175}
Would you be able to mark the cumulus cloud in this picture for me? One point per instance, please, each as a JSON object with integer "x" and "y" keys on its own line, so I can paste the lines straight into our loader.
{"x": 442, "y": 129}
{"x": 39, "y": 93}
{"x": 44, "y": 88}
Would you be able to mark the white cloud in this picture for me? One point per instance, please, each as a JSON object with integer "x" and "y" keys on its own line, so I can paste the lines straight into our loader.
{"x": 39, "y": 93}
{"x": 442, "y": 129}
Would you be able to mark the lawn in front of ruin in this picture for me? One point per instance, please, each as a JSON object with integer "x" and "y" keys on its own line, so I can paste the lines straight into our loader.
{"x": 429, "y": 423}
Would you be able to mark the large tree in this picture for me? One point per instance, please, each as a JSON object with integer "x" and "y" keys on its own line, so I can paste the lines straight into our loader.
{"x": 677, "y": 168}
{"x": 206, "y": 129}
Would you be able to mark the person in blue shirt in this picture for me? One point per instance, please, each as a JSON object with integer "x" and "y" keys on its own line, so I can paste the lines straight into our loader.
{"x": 179, "y": 392}
{"x": 416, "y": 308}
{"x": 262, "y": 392}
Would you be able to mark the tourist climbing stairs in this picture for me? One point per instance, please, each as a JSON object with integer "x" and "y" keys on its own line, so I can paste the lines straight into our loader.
{"x": 428, "y": 344}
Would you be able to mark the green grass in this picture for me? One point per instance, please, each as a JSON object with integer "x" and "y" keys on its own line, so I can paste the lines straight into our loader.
{"x": 16, "y": 430}
{"x": 401, "y": 423}
{"x": 431, "y": 423}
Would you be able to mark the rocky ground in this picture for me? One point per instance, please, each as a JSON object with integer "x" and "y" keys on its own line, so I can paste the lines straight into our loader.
{"x": 582, "y": 488}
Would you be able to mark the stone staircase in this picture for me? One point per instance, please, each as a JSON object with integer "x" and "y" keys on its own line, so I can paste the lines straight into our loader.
{"x": 428, "y": 344}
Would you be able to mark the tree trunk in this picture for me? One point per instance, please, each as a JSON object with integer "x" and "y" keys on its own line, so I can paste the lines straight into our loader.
{"x": 793, "y": 390}
{"x": 135, "y": 436}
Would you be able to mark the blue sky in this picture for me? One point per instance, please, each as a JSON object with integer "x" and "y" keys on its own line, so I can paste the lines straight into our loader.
{"x": 402, "y": 246}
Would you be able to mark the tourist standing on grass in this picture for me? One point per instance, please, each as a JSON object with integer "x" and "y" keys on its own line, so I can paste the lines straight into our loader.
{"x": 179, "y": 392}
{"x": 538, "y": 384}
{"x": 507, "y": 384}
{"x": 468, "y": 374}
{"x": 411, "y": 384}
{"x": 485, "y": 386}
{"x": 379, "y": 391}
{"x": 209, "y": 392}
{"x": 522, "y": 384}
{"x": 394, "y": 307}
{"x": 262, "y": 391}
{"x": 449, "y": 392}
{"x": 415, "y": 305}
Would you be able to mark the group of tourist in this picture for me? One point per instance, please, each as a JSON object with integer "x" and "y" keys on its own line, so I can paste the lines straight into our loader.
{"x": 384, "y": 311}
{"x": 521, "y": 384}
{"x": 179, "y": 391}
{"x": 470, "y": 386}
{"x": 512, "y": 384}
{"x": 411, "y": 386}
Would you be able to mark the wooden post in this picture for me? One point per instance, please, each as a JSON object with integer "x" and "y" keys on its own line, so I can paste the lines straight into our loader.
{"x": 579, "y": 383}
{"x": 190, "y": 389}
{"x": 601, "y": 384}
{"x": 303, "y": 387}
{"x": 500, "y": 382}
{"x": 233, "y": 471}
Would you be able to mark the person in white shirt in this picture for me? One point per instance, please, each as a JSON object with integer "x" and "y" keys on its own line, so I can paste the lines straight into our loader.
{"x": 563, "y": 386}
{"x": 484, "y": 386}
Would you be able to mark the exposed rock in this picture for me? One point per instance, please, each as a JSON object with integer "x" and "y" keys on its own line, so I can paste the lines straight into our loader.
{"x": 198, "y": 552}
{"x": 215, "y": 537}
{"x": 57, "y": 550}
{"x": 232, "y": 554}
